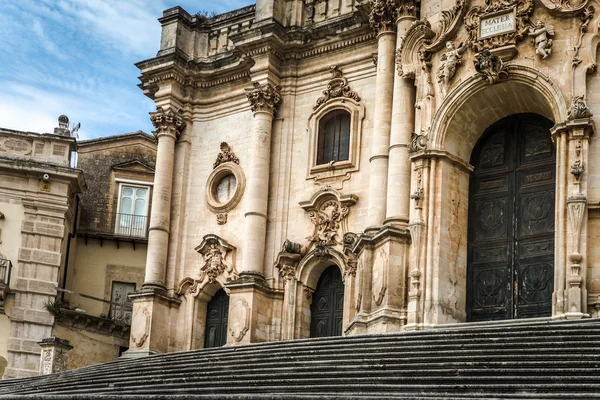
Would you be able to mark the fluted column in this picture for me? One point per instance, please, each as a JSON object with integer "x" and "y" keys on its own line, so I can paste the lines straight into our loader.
{"x": 382, "y": 18}
{"x": 403, "y": 124}
{"x": 168, "y": 125}
{"x": 264, "y": 100}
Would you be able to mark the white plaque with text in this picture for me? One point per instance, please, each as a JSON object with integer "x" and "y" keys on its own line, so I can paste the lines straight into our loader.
{"x": 497, "y": 24}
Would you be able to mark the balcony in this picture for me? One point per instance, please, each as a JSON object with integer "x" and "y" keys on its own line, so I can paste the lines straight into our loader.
{"x": 116, "y": 226}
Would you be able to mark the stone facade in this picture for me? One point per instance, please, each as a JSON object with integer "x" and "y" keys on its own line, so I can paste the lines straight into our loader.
{"x": 421, "y": 82}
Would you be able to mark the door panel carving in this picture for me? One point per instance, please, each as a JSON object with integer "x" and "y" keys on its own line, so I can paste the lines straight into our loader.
{"x": 217, "y": 310}
{"x": 327, "y": 307}
{"x": 511, "y": 221}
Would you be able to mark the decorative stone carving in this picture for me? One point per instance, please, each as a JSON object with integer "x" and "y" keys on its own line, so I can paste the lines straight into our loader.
{"x": 490, "y": 66}
{"x": 358, "y": 287}
{"x": 264, "y": 98}
{"x": 221, "y": 219}
{"x": 450, "y": 60}
{"x": 288, "y": 258}
{"x": 55, "y": 355}
{"x": 226, "y": 155}
{"x": 512, "y": 24}
{"x": 415, "y": 276}
{"x": 586, "y": 17}
{"x": 350, "y": 240}
{"x": 577, "y": 167}
{"x": 383, "y": 15}
{"x": 327, "y": 210}
{"x": 576, "y": 205}
{"x": 565, "y": 7}
{"x": 214, "y": 251}
{"x": 337, "y": 87}
{"x": 418, "y": 142}
{"x": 327, "y": 219}
{"x": 308, "y": 292}
{"x": 379, "y": 276}
{"x": 167, "y": 122}
{"x": 579, "y": 109}
{"x": 420, "y": 32}
{"x": 240, "y": 317}
{"x": 541, "y": 35}
{"x": 140, "y": 330}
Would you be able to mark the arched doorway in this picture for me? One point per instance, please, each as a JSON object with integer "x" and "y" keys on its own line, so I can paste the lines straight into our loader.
{"x": 327, "y": 309}
{"x": 510, "y": 267}
{"x": 215, "y": 334}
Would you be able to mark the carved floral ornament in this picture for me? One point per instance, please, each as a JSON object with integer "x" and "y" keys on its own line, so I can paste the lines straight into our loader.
{"x": 167, "y": 122}
{"x": 490, "y": 66}
{"x": 264, "y": 98}
{"x": 337, "y": 87}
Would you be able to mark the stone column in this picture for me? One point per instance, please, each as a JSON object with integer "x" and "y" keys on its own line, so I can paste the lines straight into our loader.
{"x": 403, "y": 124}
{"x": 382, "y": 18}
{"x": 168, "y": 125}
{"x": 55, "y": 355}
{"x": 264, "y": 100}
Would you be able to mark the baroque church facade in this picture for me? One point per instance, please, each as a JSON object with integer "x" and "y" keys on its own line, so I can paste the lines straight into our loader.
{"x": 344, "y": 167}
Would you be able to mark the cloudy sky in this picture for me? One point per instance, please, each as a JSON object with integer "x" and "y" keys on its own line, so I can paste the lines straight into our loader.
{"x": 76, "y": 57}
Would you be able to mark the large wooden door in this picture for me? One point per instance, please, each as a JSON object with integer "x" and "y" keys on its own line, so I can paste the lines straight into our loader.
{"x": 327, "y": 307}
{"x": 510, "y": 267}
{"x": 215, "y": 334}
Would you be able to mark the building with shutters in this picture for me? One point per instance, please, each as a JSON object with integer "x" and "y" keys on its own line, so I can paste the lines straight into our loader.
{"x": 342, "y": 167}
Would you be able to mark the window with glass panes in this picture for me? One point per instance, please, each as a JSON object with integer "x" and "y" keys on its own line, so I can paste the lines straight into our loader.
{"x": 334, "y": 137}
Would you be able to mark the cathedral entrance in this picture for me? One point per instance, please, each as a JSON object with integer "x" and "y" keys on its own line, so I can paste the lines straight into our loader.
{"x": 327, "y": 307}
{"x": 216, "y": 320}
{"x": 510, "y": 266}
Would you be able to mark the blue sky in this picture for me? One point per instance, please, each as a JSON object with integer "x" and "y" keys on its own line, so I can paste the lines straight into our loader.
{"x": 76, "y": 57}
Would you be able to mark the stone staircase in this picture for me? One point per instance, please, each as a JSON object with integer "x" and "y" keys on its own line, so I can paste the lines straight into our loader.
{"x": 548, "y": 360}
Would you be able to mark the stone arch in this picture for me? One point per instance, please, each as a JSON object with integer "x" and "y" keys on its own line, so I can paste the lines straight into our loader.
{"x": 308, "y": 273}
{"x": 456, "y": 127}
{"x": 441, "y": 176}
{"x": 196, "y": 295}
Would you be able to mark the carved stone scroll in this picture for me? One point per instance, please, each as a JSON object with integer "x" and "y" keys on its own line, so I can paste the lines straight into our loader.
{"x": 586, "y": 17}
{"x": 336, "y": 87}
{"x": 565, "y": 7}
{"x": 490, "y": 67}
{"x": 579, "y": 109}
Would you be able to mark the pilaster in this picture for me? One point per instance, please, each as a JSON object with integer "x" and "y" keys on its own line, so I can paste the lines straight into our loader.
{"x": 572, "y": 140}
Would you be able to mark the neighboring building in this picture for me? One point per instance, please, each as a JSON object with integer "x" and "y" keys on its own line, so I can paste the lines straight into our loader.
{"x": 38, "y": 188}
{"x": 71, "y": 251}
{"x": 346, "y": 167}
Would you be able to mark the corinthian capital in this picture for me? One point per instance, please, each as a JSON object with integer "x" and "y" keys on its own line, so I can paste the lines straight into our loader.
{"x": 167, "y": 122}
{"x": 384, "y": 13}
{"x": 264, "y": 98}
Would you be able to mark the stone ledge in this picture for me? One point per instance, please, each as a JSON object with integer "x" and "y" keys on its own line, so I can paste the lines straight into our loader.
{"x": 104, "y": 326}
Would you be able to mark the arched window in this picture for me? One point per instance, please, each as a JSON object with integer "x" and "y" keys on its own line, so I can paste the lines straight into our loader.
{"x": 334, "y": 137}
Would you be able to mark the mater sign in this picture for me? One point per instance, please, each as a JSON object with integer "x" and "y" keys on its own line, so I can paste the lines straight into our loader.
{"x": 497, "y": 24}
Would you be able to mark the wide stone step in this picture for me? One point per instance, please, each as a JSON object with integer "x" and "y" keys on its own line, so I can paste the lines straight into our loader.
{"x": 529, "y": 361}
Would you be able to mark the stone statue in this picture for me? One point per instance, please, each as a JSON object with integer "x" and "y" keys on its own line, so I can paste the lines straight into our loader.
{"x": 450, "y": 60}
{"x": 541, "y": 38}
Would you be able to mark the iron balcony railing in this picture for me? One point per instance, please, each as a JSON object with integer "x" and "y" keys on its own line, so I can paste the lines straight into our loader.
{"x": 5, "y": 270}
{"x": 114, "y": 224}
